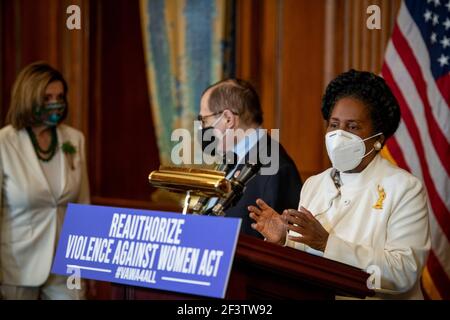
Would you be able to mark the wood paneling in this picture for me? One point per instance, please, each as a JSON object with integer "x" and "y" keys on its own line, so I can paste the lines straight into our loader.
{"x": 301, "y": 82}
{"x": 104, "y": 66}
{"x": 278, "y": 53}
{"x": 10, "y": 51}
{"x": 291, "y": 49}
{"x": 36, "y": 31}
{"x": 258, "y": 52}
{"x": 248, "y": 49}
{"x": 75, "y": 65}
{"x": 351, "y": 44}
{"x": 123, "y": 149}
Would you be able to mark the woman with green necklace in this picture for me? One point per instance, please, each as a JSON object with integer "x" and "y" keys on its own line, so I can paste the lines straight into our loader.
{"x": 42, "y": 169}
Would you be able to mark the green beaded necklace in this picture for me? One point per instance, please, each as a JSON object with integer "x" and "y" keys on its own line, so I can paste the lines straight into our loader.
{"x": 50, "y": 152}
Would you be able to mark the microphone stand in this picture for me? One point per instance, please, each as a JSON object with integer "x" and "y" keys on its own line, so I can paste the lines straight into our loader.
{"x": 229, "y": 161}
{"x": 237, "y": 188}
{"x": 187, "y": 202}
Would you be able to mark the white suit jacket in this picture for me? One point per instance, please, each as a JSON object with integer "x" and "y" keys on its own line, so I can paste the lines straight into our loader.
{"x": 31, "y": 216}
{"x": 394, "y": 238}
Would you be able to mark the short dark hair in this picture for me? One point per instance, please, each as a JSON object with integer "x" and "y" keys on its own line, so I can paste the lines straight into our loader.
{"x": 236, "y": 95}
{"x": 370, "y": 89}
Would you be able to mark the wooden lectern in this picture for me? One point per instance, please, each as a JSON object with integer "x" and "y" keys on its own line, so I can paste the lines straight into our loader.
{"x": 263, "y": 270}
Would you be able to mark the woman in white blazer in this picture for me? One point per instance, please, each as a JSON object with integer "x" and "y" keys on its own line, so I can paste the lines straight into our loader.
{"x": 364, "y": 211}
{"x": 42, "y": 169}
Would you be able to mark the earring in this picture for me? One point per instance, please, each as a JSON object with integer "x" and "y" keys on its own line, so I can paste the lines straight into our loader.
{"x": 377, "y": 145}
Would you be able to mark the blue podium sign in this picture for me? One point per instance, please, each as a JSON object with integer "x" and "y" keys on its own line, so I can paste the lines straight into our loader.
{"x": 162, "y": 250}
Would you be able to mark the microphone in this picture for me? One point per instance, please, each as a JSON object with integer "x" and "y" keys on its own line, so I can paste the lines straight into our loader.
{"x": 229, "y": 162}
{"x": 237, "y": 188}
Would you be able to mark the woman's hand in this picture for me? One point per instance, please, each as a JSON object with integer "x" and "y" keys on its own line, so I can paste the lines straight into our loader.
{"x": 268, "y": 222}
{"x": 311, "y": 231}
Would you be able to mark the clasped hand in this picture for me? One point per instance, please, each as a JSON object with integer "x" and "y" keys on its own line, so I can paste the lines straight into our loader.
{"x": 274, "y": 227}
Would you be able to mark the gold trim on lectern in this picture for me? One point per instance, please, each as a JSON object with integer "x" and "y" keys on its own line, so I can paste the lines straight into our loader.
{"x": 199, "y": 182}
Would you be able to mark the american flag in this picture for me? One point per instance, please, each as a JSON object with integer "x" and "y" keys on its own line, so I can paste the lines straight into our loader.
{"x": 417, "y": 69}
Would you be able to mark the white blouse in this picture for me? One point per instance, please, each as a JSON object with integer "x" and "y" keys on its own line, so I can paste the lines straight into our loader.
{"x": 377, "y": 219}
{"x": 53, "y": 171}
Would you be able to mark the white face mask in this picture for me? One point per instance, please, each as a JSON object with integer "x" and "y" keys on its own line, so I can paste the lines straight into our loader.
{"x": 346, "y": 150}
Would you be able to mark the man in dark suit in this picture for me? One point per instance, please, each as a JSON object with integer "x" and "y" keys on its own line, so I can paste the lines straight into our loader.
{"x": 233, "y": 106}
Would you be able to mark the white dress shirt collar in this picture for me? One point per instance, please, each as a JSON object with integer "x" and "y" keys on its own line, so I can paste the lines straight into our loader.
{"x": 247, "y": 143}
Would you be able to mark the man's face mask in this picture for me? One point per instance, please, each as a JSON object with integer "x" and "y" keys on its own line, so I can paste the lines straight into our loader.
{"x": 50, "y": 114}
{"x": 209, "y": 138}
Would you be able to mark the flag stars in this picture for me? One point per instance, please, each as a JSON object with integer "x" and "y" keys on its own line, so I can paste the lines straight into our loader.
{"x": 448, "y": 6}
{"x": 445, "y": 42}
{"x": 443, "y": 60}
{"x": 435, "y": 19}
{"x": 427, "y": 15}
{"x": 437, "y": 3}
{"x": 433, "y": 37}
{"x": 447, "y": 24}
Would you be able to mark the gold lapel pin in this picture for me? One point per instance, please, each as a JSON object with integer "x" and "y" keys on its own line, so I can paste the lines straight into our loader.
{"x": 381, "y": 197}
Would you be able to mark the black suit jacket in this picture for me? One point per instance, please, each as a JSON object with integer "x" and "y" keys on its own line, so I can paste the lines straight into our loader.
{"x": 280, "y": 191}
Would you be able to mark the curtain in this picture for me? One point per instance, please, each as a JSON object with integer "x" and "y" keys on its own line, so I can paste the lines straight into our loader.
{"x": 189, "y": 45}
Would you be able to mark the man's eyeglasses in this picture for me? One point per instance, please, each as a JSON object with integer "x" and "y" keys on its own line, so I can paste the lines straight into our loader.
{"x": 202, "y": 118}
